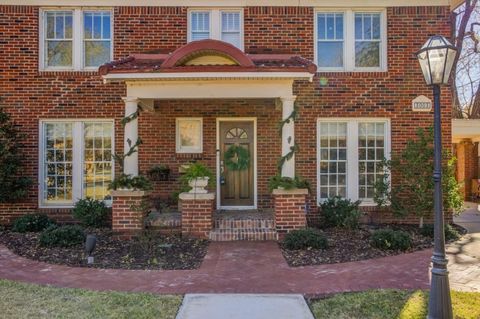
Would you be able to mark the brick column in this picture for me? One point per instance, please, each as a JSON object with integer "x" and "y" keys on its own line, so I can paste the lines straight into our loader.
{"x": 197, "y": 214}
{"x": 290, "y": 209}
{"x": 127, "y": 222}
{"x": 467, "y": 156}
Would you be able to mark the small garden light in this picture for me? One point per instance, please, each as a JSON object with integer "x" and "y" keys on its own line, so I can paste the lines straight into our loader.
{"x": 90, "y": 243}
{"x": 436, "y": 59}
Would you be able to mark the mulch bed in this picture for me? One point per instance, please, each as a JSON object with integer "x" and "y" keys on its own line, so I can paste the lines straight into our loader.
{"x": 352, "y": 245}
{"x": 162, "y": 252}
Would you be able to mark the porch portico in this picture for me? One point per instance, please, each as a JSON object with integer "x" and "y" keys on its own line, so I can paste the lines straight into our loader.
{"x": 209, "y": 70}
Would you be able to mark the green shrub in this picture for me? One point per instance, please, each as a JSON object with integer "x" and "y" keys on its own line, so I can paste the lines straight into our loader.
{"x": 127, "y": 181}
{"x": 305, "y": 238}
{"x": 278, "y": 181}
{"x": 32, "y": 223}
{"x": 450, "y": 232}
{"x": 389, "y": 239}
{"x": 91, "y": 212}
{"x": 62, "y": 236}
{"x": 340, "y": 212}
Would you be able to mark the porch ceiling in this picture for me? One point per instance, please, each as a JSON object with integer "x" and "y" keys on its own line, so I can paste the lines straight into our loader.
{"x": 465, "y": 129}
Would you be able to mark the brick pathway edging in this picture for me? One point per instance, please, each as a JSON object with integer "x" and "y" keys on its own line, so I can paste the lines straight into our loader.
{"x": 232, "y": 267}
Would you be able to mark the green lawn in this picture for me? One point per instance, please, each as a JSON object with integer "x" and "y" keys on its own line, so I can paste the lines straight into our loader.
{"x": 388, "y": 304}
{"x": 19, "y": 300}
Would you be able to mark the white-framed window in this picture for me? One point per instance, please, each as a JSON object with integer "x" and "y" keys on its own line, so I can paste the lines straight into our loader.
{"x": 189, "y": 135}
{"x": 75, "y": 161}
{"x": 75, "y": 39}
{"x": 219, "y": 24}
{"x": 350, "y": 40}
{"x": 349, "y": 156}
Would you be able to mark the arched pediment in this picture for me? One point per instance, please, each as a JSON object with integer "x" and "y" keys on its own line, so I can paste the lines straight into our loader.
{"x": 207, "y": 52}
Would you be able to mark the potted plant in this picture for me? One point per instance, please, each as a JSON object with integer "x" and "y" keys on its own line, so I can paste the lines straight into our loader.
{"x": 197, "y": 176}
{"x": 159, "y": 173}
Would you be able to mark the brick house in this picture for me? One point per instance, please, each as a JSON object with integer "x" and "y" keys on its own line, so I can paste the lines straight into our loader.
{"x": 206, "y": 77}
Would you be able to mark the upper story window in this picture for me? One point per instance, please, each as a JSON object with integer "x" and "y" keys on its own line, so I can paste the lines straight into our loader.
{"x": 224, "y": 25}
{"x": 75, "y": 39}
{"x": 347, "y": 40}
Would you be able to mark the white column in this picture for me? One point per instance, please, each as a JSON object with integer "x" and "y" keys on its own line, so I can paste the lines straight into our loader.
{"x": 288, "y": 136}
{"x": 131, "y": 134}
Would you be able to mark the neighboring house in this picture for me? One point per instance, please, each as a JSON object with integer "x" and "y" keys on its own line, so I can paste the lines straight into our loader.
{"x": 465, "y": 139}
{"x": 207, "y": 76}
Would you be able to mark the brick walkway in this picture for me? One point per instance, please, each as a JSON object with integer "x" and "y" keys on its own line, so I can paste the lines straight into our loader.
{"x": 464, "y": 255}
{"x": 259, "y": 267}
{"x": 233, "y": 267}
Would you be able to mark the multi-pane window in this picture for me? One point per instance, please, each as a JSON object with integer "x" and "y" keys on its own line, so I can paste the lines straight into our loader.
{"x": 371, "y": 152}
{"x": 231, "y": 28}
{"x": 367, "y": 40}
{"x": 58, "y": 163}
{"x": 76, "y": 161}
{"x": 333, "y": 159}
{"x": 97, "y": 38}
{"x": 200, "y": 25}
{"x": 350, "y": 40}
{"x": 75, "y": 39}
{"x": 58, "y": 39}
{"x": 224, "y": 25}
{"x": 97, "y": 172}
{"x": 330, "y": 40}
{"x": 350, "y": 153}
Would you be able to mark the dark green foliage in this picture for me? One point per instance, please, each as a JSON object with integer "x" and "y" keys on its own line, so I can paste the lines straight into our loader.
{"x": 389, "y": 239}
{"x": 304, "y": 239}
{"x": 197, "y": 170}
{"x": 450, "y": 232}
{"x": 91, "y": 212}
{"x": 13, "y": 187}
{"x": 278, "y": 181}
{"x": 159, "y": 173}
{"x": 32, "y": 223}
{"x": 125, "y": 181}
{"x": 413, "y": 189}
{"x": 340, "y": 212}
{"x": 62, "y": 236}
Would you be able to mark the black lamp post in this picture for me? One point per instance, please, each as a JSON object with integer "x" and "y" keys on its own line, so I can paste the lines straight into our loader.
{"x": 436, "y": 59}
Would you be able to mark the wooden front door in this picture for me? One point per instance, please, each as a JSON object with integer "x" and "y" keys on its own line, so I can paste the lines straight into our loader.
{"x": 237, "y": 186}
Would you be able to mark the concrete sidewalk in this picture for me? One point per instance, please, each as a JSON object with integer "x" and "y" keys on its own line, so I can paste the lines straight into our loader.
{"x": 243, "y": 306}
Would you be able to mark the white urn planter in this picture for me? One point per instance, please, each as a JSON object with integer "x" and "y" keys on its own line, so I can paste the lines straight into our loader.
{"x": 198, "y": 185}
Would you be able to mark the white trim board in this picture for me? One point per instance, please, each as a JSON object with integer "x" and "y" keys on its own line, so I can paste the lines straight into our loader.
{"x": 236, "y": 3}
{"x": 217, "y": 150}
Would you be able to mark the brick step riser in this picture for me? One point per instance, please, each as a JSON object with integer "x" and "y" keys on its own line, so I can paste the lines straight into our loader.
{"x": 245, "y": 224}
{"x": 243, "y": 236}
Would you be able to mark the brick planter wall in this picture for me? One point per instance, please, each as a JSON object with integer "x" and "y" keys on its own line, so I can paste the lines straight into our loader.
{"x": 290, "y": 209}
{"x": 197, "y": 214}
{"x": 126, "y": 222}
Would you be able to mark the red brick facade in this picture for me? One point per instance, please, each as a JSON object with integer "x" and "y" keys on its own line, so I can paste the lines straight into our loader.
{"x": 127, "y": 215}
{"x": 467, "y": 166}
{"x": 31, "y": 95}
{"x": 290, "y": 210}
{"x": 197, "y": 217}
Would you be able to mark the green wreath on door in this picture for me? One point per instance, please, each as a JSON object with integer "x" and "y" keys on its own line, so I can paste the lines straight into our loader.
{"x": 236, "y": 158}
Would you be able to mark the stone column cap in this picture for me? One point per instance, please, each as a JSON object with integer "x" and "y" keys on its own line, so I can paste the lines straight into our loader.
{"x": 294, "y": 191}
{"x": 128, "y": 193}
{"x": 196, "y": 196}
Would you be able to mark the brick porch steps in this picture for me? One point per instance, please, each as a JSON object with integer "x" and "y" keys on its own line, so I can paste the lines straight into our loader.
{"x": 247, "y": 225}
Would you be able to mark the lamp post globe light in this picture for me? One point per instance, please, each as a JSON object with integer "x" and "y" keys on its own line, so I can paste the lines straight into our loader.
{"x": 436, "y": 59}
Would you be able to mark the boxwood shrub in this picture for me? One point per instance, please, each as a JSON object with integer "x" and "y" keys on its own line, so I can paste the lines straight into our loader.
{"x": 62, "y": 236}
{"x": 32, "y": 223}
{"x": 450, "y": 232}
{"x": 389, "y": 239}
{"x": 341, "y": 212}
{"x": 304, "y": 239}
{"x": 91, "y": 212}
